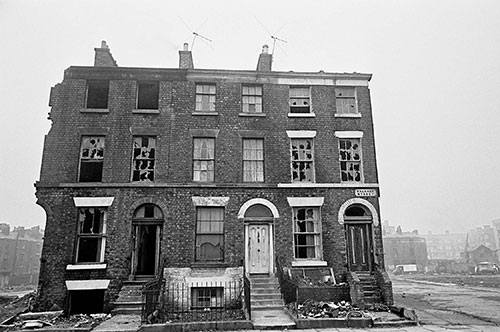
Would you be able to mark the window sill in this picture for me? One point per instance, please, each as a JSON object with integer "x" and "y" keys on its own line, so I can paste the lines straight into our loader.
{"x": 301, "y": 115}
{"x": 73, "y": 267}
{"x": 145, "y": 111}
{"x": 205, "y": 113}
{"x": 308, "y": 263}
{"x": 357, "y": 115}
{"x": 261, "y": 115}
{"x": 94, "y": 110}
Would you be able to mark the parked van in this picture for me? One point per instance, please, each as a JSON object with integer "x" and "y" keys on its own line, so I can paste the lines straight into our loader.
{"x": 405, "y": 269}
{"x": 486, "y": 268}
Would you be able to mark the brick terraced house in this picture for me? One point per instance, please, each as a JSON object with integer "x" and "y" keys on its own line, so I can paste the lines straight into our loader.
{"x": 205, "y": 175}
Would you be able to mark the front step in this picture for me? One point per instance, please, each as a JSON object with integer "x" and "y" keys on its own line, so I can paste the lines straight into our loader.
{"x": 371, "y": 292}
{"x": 129, "y": 299}
{"x": 265, "y": 293}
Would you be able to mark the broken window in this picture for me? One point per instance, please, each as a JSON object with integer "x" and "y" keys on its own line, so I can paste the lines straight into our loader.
{"x": 306, "y": 233}
{"x": 143, "y": 163}
{"x": 97, "y": 94}
{"x": 205, "y": 97}
{"x": 206, "y": 297}
{"x": 203, "y": 159}
{"x": 147, "y": 95}
{"x": 350, "y": 160}
{"x": 300, "y": 99}
{"x": 91, "y": 229}
{"x": 209, "y": 234}
{"x": 91, "y": 159}
{"x": 253, "y": 160}
{"x": 302, "y": 160}
{"x": 252, "y": 98}
{"x": 345, "y": 100}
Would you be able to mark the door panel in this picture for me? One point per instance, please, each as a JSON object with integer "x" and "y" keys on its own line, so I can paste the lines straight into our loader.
{"x": 258, "y": 249}
{"x": 359, "y": 246}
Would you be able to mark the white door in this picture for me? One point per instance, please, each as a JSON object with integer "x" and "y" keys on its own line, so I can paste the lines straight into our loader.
{"x": 259, "y": 249}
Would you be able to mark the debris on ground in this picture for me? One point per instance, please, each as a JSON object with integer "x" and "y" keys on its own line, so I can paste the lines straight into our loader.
{"x": 315, "y": 309}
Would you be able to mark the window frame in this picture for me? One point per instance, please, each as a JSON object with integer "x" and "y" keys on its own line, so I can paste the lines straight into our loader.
{"x": 88, "y": 160}
{"x": 249, "y": 95}
{"x": 351, "y": 162}
{"x": 211, "y": 103}
{"x": 199, "y": 233}
{"x": 209, "y": 180}
{"x": 292, "y": 161}
{"x": 135, "y": 159}
{"x": 101, "y": 236}
{"x": 338, "y": 97}
{"x": 257, "y": 161}
{"x": 316, "y": 233}
{"x": 138, "y": 99}
{"x": 218, "y": 291}
{"x": 92, "y": 92}
{"x": 295, "y": 109}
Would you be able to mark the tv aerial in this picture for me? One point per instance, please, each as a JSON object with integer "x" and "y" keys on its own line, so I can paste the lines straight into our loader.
{"x": 274, "y": 37}
{"x": 197, "y": 35}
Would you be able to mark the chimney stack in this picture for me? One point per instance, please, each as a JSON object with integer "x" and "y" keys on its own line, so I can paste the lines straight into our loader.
{"x": 103, "y": 57}
{"x": 186, "y": 58}
{"x": 265, "y": 60}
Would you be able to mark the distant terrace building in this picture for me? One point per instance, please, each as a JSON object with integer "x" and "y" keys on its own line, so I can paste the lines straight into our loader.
{"x": 403, "y": 248}
{"x": 445, "y": 246}
{"x": 205, "y": 175}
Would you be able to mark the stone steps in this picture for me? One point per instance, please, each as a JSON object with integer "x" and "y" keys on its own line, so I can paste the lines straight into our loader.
{"x": 129, "y": 299}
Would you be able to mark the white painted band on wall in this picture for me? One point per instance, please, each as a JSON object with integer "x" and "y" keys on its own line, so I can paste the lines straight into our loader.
{"x": 349, "y": 134}
{"x": 93, "y": 201}
{"x": 305, "y": 201}
{"x": 87, "y": 284}
{"x": 301, "y": 133}
{"x": 210, "y": 201}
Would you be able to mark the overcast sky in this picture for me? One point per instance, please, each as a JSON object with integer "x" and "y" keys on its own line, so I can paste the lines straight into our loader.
{"x": 435, "y": 88}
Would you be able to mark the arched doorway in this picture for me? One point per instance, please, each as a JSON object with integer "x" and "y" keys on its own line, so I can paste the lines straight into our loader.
{"x": 358, "y": 231}
{"x": 258, "y": 216}
{"x": 147, "y": 223}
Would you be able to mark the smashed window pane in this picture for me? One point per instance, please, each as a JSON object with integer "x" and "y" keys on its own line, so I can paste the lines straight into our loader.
{"x": 350, "y": 160}
{"x": 345, "y": 100}
{"x": 91, "y": 159}
{"x": 306, "y": 233}
{"x": 302, "y": 159}
{"x": 143, "y": 165}
{"x": 300, "y": 99}
{"x": 203, "y": 159}
{"x": 90, "y": 235}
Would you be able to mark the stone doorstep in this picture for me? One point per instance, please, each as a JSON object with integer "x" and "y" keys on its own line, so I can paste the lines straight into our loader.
{"x": 271, "y": 319}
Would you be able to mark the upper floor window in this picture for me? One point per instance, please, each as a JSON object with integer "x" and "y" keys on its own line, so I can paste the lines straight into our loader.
{"x": 91, "y": 159}
{"x": 209, "y": 234}
{"x": 350, "y": 160}
{"x": 205, "y": 97}
{"x": 97, "y": 94}
{"x": 144, "y": 154}
{"x": 203, "y": 159}
{"x": 300, "y": 99}
{"x": 148, "y": 95}
{"x": 91, "y": 235}
{"x": 252, "y": 98}
{"x": 307, "y": 233}
{"x": 253, "y": 160}
{"x": 345, "y": 101}
{"x": 302, "y": 159}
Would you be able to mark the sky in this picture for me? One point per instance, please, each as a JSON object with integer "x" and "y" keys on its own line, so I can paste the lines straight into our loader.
{"x": 435, "y": 88}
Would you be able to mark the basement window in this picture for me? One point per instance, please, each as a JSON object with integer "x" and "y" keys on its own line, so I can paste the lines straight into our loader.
{"x": 91, "y": 159}
{"x": 97, "y": 94}
{"x": 86, "y": 301}
{"x": 300, "y": 99}
{"x": 207, "y": 297}
{"x": 91, "y": 235}
{"x": 148, "y": 95}
{"x": 143, "y": 164}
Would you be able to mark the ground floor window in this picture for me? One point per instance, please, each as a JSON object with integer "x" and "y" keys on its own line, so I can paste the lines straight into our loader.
{"x": 209, "y": 234}
{"x": 86, "y": 301}
{"x": 307, "y": 241}
{"x": 206, "y": 297}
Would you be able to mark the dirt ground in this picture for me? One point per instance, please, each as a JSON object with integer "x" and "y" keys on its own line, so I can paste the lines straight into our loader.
{"x": 490, "y": 281}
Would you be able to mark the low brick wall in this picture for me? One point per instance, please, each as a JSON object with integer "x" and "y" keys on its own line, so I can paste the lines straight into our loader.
{"x": 326, "y": 294}
{"x": 198, "y": 326}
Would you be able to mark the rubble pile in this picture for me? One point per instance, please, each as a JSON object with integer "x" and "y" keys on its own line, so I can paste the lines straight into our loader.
{"x": 312, "y": 282}
{"x": 315, "y": 309}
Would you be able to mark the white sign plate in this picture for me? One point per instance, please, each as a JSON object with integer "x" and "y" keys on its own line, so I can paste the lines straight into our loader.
{"x": 365, "y": 192}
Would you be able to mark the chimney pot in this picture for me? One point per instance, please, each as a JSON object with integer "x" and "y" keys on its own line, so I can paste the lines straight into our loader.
{"x": 186, "y": 47}
{"x": 265, "y": 49}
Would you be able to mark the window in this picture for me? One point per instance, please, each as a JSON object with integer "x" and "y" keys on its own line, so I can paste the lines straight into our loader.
{"x": 206, "y": 297}
{"x": 345, "y": 101}
{"x": 203, "y": 159}
{"x": 205, "y": 97}
{"x": 97, "y": 94}
{"x": 91, "y": 159}
{"x": 253, "y": 160}
{"x": 302, "y": 160}
{"x": 91, "y": 231}
{"x": 350, "y": 160}
{"x": 147, "y": 95}
{"x": 306, "y": 233}
{"x": 252, "y": 98}
{"x": 300, "y": 99}
{"x": 143, "y": 163}
{"x": 209, "y": 234}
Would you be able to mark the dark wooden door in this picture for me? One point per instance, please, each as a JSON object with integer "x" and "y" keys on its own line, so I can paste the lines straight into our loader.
{"x": 359, "y": 246}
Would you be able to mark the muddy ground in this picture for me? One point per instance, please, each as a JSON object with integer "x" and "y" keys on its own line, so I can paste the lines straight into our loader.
{"x": 491, "y": 281}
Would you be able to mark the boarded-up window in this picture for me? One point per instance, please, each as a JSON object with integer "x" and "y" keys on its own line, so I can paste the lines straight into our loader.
{"x": 97, "y": 94}
{"x": 147, "y": 95}
{"x": 253, "y": 160}
{"x": 350, "y": 160}
{"x": 345, "y": 100}
{"x": 209, "y": 234}
{"x": 300, "y": 99}
{"x": 306, "y": 233}
{"x": 144, "y": 153}
{"x": 91, "y": 230}
{"x": 91, "y": 159}
{"x": 252, "y": 98}
{"x": 302, "y": 159}
{"x": 205, "y": 97}
{"x": 203, "y": 159}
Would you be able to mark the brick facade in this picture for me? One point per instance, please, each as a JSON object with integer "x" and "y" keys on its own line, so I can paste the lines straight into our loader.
{"x": 174, "y": 124}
